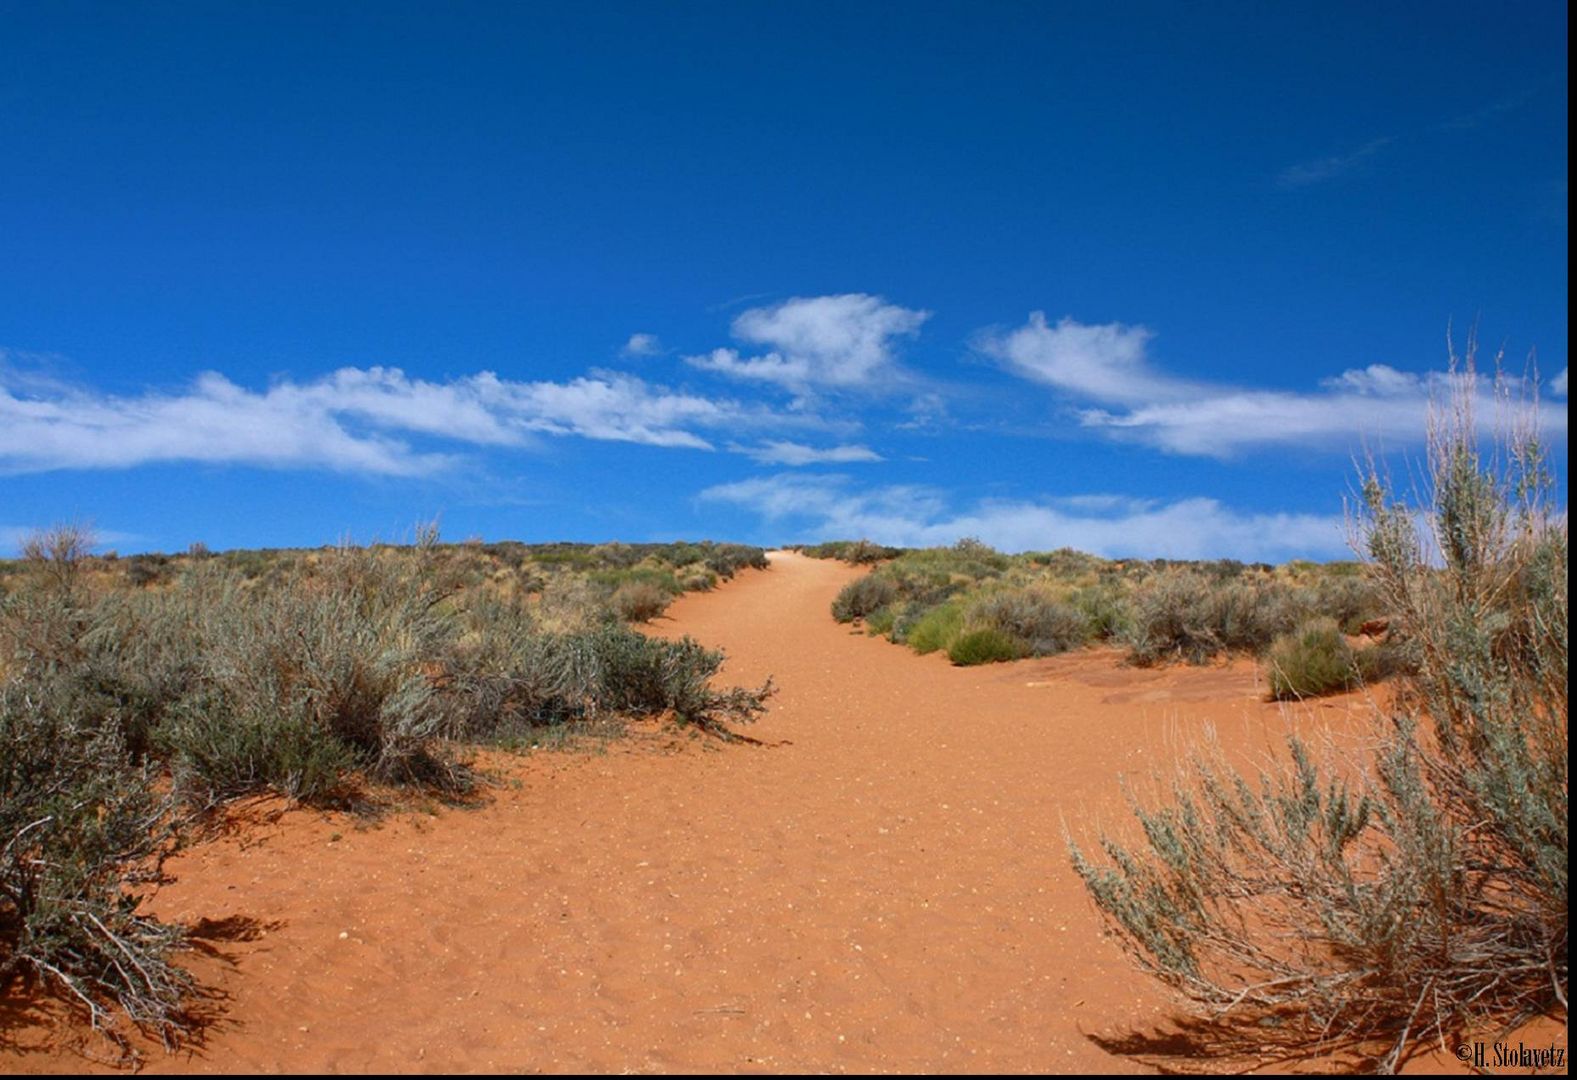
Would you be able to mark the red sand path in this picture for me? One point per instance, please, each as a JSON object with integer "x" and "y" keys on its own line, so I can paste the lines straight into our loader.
{"x": 885, "y": 889}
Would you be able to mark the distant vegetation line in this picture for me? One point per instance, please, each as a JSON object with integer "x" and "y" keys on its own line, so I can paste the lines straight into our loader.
{"x": 979, "y": 605}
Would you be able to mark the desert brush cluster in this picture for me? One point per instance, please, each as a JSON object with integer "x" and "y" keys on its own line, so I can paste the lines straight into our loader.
{"x": 979, "y": 605}
{"x": 137, "y": 694}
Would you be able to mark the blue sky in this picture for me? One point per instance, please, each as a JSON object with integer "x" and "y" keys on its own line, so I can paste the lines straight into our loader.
{"x": 1137, "y": 279}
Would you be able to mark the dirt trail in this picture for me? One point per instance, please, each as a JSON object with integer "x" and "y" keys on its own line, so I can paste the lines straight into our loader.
{"x": 886, "y": 888}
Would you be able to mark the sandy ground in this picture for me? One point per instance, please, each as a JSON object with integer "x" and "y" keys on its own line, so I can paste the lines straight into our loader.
{"x": 884, "y": 887}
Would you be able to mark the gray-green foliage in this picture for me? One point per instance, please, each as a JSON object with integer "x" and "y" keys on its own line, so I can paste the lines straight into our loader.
{"x": 79, "y": 819}
{"x": 863, "y": 597}
{"x": 1186, "y": 614}
{"x": 1042, "y": 625}
{"x": 1427, "y": 893}
{"x": 357, "y": 665}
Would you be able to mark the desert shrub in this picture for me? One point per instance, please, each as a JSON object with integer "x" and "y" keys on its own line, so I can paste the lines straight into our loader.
{"x": 1198, "y": 612}
{"x": 303, "y": 683}
{"x": 985, "y": 645}
{"x": 881, "y": 621}
{"x": 923, "y": 585}
{"x": 930, "y": 629}
{"x": 57, "y": 554}
{"x": 725, "y": 560}
{"x": 1171, "y": 621}
{"x": 854, "y": 552}
{"x": 1250, "y": 613}
{"x": 640, "y": 601}
{"x": 1107, "y": 611}
{"x": 80, "y": 827}
{"x": 651, "y": 676}
{"x": 1425, "y": 895}
{"x": 513, "y": 678}
{"x": 860, "y": 598}
{"x": 1313, "y": 660}
{"x": 1040, "y": 624}
{"x": 699, "y": 581}
{"x": 146, "y": 569}
{"x": 653, "y": 577}
{"x": 569, "y": 603}
{"x": 1350, "y": 598}
{"x": 1385, "y": 659}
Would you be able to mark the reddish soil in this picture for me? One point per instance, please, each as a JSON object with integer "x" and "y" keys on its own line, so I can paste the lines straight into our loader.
{"x": 883, "y": 887}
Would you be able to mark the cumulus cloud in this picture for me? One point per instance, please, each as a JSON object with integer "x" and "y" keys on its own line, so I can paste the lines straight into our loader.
{"x": 840, "y": 342}
{"x": 823, "y": 507}
{"x": 642, "y": 345}
{"x": 1106, "y": 370}
{"x": 1558, "y": 384}
{"x": 353, "y": 420}
{"x": 780, "y": 452}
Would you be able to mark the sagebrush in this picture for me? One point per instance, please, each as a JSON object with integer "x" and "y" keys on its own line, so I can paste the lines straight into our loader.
{"x": 1423, "y": 896}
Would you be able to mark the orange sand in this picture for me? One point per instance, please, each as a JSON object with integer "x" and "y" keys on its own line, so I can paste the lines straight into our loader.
{"x": 883, "y": 888}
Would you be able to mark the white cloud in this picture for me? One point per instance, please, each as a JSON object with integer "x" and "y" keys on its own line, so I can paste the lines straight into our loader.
{"x": 353, "y": 420}
{"x": 1104, "y": 362}
{"x": 824, "y": 342}
{"x": 642, "y": 345}
{"x": 827, "y": 507}
{"x": 779, "y": 452}
{"x": 1376, "y": 405}
{"x": 1108, "y": 366}
{"x": 1558, "y": 384}
{"x": 1377, "y": 379}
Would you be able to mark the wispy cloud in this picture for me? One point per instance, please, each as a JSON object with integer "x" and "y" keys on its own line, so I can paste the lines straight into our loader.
{"x": 825, "y": 507}
{"x": 1479, "y": 117}
{"x": 1106, "y": 371}
{"x": 780, "y": 452}
{"x": 1320, "y": 170}
{"x": 353, "y": 420}
{"x": 1558, "y": 384}
{"x": 844, "y": 342}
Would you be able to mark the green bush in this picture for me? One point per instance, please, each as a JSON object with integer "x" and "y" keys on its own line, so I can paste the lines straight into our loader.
{"x": 880, "y": 622}
{"x": 985, "y": 646}
{"x": 932, "y": 629}
{"x": 1042, "y": 625}
{"x": 1107, "y": 611}
{"x": 1314, "y": 660}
